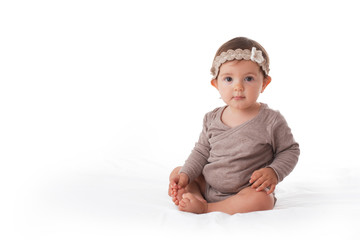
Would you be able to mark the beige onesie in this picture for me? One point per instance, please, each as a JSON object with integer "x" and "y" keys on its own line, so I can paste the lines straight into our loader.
{"x": 228, "y": 156}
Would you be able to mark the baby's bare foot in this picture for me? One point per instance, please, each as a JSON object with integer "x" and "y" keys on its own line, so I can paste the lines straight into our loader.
{"x": 191, "y": 203}
{"x": 177, "y": 197}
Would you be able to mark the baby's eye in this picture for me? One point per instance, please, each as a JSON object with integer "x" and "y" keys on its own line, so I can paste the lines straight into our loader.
{"x": 248, "y": 79}
{"x": 228, "y": 79}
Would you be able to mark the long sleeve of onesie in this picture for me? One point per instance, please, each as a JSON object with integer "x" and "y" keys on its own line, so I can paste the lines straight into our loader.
{"x": 199, "y": 155}
{"x": 286, "y": 150}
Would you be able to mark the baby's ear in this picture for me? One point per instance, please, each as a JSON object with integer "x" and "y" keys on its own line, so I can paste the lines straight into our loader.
{"x": 214, "y": 83}
{"x": 266, "y": 82}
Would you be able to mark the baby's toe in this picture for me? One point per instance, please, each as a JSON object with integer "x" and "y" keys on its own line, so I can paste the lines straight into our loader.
{"x": 183, "y": 204}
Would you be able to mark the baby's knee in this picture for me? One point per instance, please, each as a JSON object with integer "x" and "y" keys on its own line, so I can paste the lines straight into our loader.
{"x": 259, "y": 201}
{"x": 263, "y": 201}
{"x": 266, "y": 202}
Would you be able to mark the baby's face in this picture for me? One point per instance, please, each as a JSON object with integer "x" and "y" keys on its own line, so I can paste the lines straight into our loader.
{"x": 240, "y": 83}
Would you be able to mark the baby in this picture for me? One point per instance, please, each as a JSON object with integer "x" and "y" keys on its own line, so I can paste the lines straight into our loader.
{"x": 245, "y": 148}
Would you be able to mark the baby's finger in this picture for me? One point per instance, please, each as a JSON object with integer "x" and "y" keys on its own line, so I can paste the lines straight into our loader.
{"x": 173, "y": 182}
{"x": 262, "y": 186}
{"x": 255, "y": 176}
{"x": 257, "y": 183}
{"x": 272, "y": 189}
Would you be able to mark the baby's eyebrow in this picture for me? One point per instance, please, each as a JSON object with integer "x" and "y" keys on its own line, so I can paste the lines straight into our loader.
{"x": 230, "y": 74}
{"x": 225, "y": 73}
{"x": 253, "y": 73}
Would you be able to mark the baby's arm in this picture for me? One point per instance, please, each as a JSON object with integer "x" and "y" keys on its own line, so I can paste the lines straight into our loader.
{"x": 193, "y": 166}
{"x": 286, "y": 153}
{"x": 264, "y": 178}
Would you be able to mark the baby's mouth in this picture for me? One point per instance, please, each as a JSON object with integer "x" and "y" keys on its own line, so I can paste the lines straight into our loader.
{"x": 238, "y": 97}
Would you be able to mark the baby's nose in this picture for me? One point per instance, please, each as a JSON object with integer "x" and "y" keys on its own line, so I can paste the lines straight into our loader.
{"x": 238, "y": 87}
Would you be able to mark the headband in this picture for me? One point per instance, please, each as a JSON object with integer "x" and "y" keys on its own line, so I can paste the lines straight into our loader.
{"x": 239, "y": 54}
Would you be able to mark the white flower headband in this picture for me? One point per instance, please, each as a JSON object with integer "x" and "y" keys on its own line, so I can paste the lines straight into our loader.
{"x": 239, "y": 54}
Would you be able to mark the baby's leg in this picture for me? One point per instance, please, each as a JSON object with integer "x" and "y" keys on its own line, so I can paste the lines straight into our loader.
{"x": 197, "y": 187}
{"x": 192, "y": 203}
{"x": 190, "y": 198}
{"x": 193, "y": 198}
{"x": 247, "y": 200}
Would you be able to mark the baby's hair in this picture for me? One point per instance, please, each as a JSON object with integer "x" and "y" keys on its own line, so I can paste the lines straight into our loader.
{"x": 243, "y": 43}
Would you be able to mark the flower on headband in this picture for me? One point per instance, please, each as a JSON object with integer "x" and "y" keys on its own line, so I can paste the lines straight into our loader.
{"x": 256, "y": 56}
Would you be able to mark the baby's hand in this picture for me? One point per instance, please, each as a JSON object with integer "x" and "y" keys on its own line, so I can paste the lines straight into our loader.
{"x": 263, "y": 178}
{"x": 177, "y": 182}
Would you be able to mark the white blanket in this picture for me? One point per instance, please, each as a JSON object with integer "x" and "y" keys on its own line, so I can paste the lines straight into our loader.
{"x": 110, "y": 201}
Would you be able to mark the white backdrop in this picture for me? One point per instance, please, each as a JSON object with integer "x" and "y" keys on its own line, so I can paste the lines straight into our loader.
{"x": 91, "y": 87}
